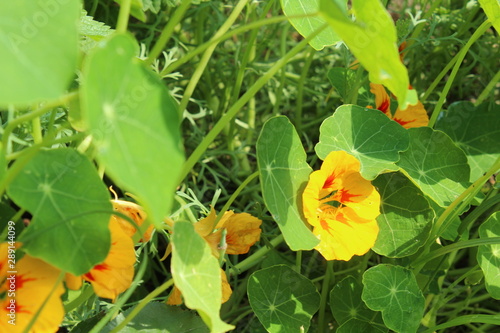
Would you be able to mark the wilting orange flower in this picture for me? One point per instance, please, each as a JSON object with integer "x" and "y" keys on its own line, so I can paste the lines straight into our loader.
{"x": 113, "y": 276}
{"x": 413, "y": 116}
{"x": 242, "y": 231}
{"x": 136, "y": 214}
{"x": 341, "y": 206}
{"x": 24, "y": 287}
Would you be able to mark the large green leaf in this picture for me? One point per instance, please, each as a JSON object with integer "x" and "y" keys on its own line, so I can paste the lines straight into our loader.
{"x": 197, "y": 274}
{"x": 406, "y": 217}
{"x": 282, "y": 299}
{"x": 158, "y": 317}
{"x": 492, "y": 10}
{"x": 303, "y": 15}
{"x": 38, "y": 49}
{"x": 367, "y": 134}
{"x": 394, "y": 291}
{"x": 476, "y": 130}
{"x": 284, "y": 173}
{"x": 488, "y": 256}
{"x": 134, "y": 123}
{"x": 68, "y": 201}
{"x": 372, "y": 39}
{"x": 348, "y": 308}
{"x": 343, "y": 80}
{"x": 436, "y": 165}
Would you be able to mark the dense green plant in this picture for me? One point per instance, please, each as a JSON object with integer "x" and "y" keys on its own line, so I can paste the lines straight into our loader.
{"x": 186, "y": 105}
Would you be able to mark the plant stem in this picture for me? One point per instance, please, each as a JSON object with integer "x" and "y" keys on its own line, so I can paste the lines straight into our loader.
{"x": 256, "y": 257}
{"x": 475, "y": 36}
{"x": 488, "y": 89}
{"x": 195, "y": 78}
{"x": 324, "y": 296}
{"x": 37, "y": 130}
{"x": 167, "y": 31}
{"x": 123, "y": 15}
{"x": 142, "y": 304}
{"x": 438, "y": 78}
{"x": 226, "y": 118}
{"x": 300, "y": 91}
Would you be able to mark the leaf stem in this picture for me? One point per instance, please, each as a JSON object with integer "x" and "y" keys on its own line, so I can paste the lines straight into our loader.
{"x": 256, "y": 257}
{"x": 324, "y": 296}
{"x": 461, "y": 55}
{"x": 167, "y": 31}
{"x": 226, "y": 118}
{"x": 489, "y": 87}
{"x": 123, "y": 15}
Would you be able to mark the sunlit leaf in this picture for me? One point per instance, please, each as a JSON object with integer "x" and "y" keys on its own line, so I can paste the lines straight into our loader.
{"x": 197, "y": 275}
{"x": 406, "y": 217}
{"x": 282, "y": 299}
{"x": 488, "y": 256}
{"x": 284, "y": 173}
{"x": 70, "y": 207}
{"x": 492, "y": 10}
{"x": 475, "y": 129}
{"x": 134, "y": 123}
{"x": 38, "y": 49}
{"x": 303, "y": 15}
{"x": 394, "y": 291}
{"x": 367, "y": 134}
{"x": 372, "y": 39}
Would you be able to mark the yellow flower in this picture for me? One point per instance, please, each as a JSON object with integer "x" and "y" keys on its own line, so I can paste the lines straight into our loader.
{"x": 413, "y": 116}
{"x": 242, "y": 230}
{"x": 342, "y": 207}
{"x": 114, "y": 275}
{"x": 24, "y": 289}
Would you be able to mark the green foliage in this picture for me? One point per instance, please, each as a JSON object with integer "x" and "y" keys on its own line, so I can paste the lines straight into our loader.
{"x": 394, "y": 291}
{"x": 488, "y": 255}
{"x": 197, "y": 275}
{"x": 38, "y": 50}
{"x": 283, "y": 300}
{"x": 132, "y": 117}
{"x": 284, "y": 173}
{"x": 367, "y": 134}
{"x": 71, "y": 210}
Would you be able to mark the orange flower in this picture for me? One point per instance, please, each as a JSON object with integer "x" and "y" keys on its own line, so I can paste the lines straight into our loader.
{"x": 413, "y": 116}
{"x": 136, "y": 214}
{"x": 114, "y": 275}
{"x": 341, "y": 206}
{"x": 24, "y": 287}
{"x": 242, "y": 231}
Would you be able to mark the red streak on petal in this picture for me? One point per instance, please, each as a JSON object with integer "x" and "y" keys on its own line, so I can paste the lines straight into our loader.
{"x": 402, "y": 122}
{"x": 325, "y": 226}
{"x": 101, "y": 267}
{"x": 21, "y": 280}
{"x": 384, "y": 107}
{"x": 328, "y": 182}
{"x": 345, "y": 196}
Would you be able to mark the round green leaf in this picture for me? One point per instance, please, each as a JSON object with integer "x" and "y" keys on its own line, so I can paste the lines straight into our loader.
{"x": 475, "y": 129}
{"x": 406, "y": 217}
{"x": 158, "y": 317}
{"x": 284, "y": 173}
{"x": 282, "y": 299}
{"x": 488, "y": 256}
{"x": 394, "y": 291}
{"x": 436, "y": 165}
{"x": 303, "y": 15}
{"x": 70, "y": 207}
{"x": 357, "y": 326}
{"x": 367, "y": 134}
{"x": 134, "y": 123}
{"x": 346, "y": 305}
{"x": 38, "y": 49}
{"x": 197, "y": 274}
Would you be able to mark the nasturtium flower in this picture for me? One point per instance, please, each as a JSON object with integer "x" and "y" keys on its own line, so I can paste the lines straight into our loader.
{"x": 25, "y": 284}
{"x": 114, "y": 275}
{"x": 342, "y": 207}
{"x": 241, "y": 230}
{"x": 136, "y": 214}
{"x": 413, "y": 116}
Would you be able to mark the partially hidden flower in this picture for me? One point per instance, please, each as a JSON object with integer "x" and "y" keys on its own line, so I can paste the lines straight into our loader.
{"x": 241, "y": 231}
{"x": 413, "y": 116}
{"x": 115, "y": 274}
{"x": 342, "y": 207}
{"x": 25, "y": 285}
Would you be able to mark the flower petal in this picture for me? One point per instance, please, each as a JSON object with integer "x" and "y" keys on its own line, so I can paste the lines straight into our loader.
{"x": 243, "y": 231}
{"x": 413, "y": 116}
{"x": 136, "y": 214}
